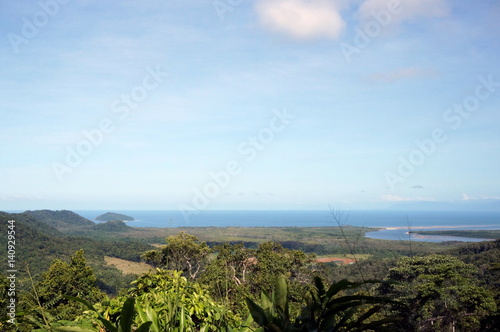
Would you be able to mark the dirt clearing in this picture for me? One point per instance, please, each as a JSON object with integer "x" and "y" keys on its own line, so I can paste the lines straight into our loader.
{"x": 128, "y": 266}
{"x": 337, "y": 260}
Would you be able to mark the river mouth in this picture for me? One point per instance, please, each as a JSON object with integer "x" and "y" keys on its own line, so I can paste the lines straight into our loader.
{"x": 405, "y": 234}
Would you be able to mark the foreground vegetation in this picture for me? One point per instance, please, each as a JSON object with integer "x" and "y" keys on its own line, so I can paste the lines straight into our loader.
{"x": 271, "y": 281}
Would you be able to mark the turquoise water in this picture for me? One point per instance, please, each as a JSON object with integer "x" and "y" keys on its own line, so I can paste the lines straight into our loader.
{"x": 404, "y": 235}
{"x": 382, "y": 219}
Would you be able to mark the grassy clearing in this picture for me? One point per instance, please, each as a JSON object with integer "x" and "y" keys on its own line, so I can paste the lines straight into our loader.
{"x": 128, "y": 267}
{"x": 232, "y": 234}
{"x": 337, "y": 260}
{"x": 358, "y": 257}
{"x": 324, "y": 241}
{"x": 256, "y": 234}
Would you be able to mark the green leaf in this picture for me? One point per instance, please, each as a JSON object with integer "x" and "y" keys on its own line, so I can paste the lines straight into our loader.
{"x": 153, "y": 317}
{"x": 103, "y": 320}
{"x": 140, "y": 312}
{"x": 281, "y": 293}
{"x": 144, "y": 327}
{"x": 381, "y": 322}
{"x": 344, "y": 284}
{"x": 127, "y": 315}
{"x": 370, "y": 313}
{"x": 182, "y": 320}
{"x": 319, "y": 285}
{"x": 329, "y": 322}
{"x": 366, "y": 299}
{"x": 85, "y": 303}
{"x": 265, "y": 300}
{"x": 257, "y": 313}
{"x": 339, "y": 286}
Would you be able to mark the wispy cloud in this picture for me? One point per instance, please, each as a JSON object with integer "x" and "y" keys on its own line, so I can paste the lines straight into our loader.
{"x": 396, "y": 198}
{"x": 301, "y": 19}
{"x": 417, "y": 186}
{"x": 466, "y": 197}
{"x": 20, "y": 197}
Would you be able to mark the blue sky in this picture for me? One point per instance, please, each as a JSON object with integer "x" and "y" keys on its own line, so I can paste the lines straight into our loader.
{"x": 277, "y": 104}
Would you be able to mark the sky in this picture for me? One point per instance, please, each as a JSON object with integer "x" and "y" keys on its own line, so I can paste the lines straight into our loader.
{"x": 232, "y": 104}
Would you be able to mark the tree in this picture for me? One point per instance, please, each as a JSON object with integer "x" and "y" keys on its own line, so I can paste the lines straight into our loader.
{"x": 273, "y": 260}
{"x": 236, "y": 272}
{"x": 230, "y": 267}
{"x": 4, "y": 301}
{"x": 154, "y": 258}
{"x": 64, "y": 279}
{"x": 228, "y": 274}
{"x": 183, "y": 252}
{"x": 439, "y": 293}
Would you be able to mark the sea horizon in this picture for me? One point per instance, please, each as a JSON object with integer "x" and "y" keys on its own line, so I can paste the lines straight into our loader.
{"x": 301, "y": 218}
{"x": 304, "y": 218}
{"x": 393, "y": 224}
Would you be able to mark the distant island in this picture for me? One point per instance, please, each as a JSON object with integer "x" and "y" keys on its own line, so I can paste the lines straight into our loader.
{"x": 111, "y": 216}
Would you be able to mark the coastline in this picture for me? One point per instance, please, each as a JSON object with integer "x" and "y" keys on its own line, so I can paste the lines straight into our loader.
{"x": 462, "y": 233}
{"x": 469, "y": 227}
{"x": 420, "y": 236}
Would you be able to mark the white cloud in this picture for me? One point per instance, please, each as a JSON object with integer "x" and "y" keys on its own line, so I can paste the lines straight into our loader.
{"x": 466, "y": 197}
{"x": 396, "y": 198}
{"x": 20, "y": 197}
{"x": 301, "y": 19}
{"x": 407, "y": 10}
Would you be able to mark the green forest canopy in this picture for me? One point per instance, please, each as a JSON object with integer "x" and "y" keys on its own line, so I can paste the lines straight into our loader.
{"x": 232, "y": 272}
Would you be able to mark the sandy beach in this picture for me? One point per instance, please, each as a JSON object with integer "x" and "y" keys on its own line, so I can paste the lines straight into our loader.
{"x": 441, "y": 227}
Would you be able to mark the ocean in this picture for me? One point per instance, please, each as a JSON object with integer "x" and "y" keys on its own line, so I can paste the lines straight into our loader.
{"x": 398, "y": 222}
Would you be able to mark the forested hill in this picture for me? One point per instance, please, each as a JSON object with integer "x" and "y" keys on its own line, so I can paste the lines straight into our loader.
{"x": 60, "y": 219}
{"x": 484, "y": 254}
{"x": 38, "y": 244}
{"x": 27, "y": 222}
